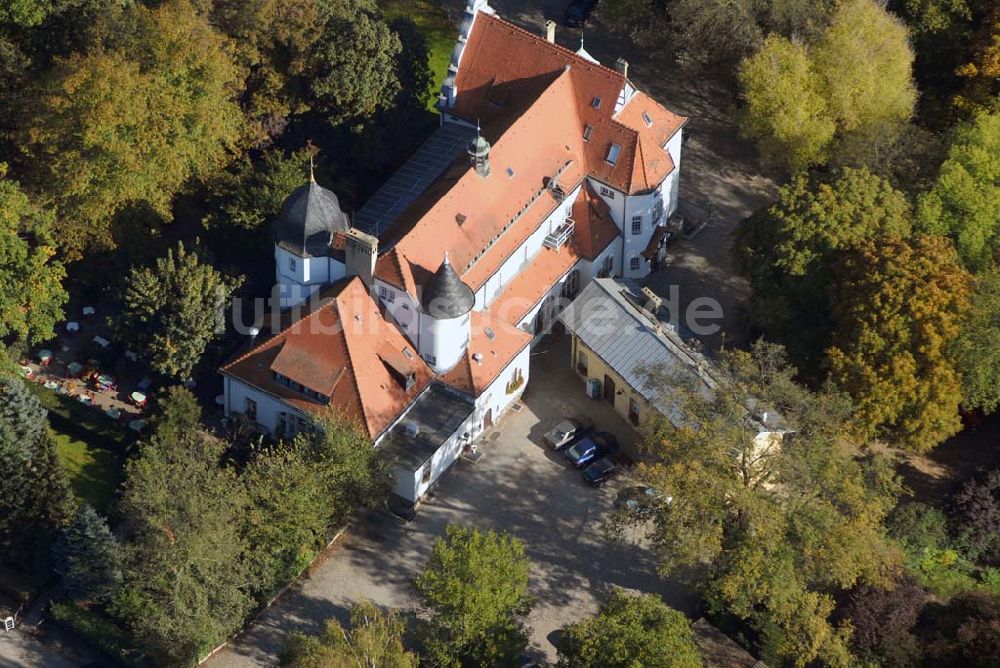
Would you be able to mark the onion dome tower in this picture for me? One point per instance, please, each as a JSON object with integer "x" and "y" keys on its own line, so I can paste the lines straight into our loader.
{"x": 445, "y": 328}
{"x": 302, "y": 234}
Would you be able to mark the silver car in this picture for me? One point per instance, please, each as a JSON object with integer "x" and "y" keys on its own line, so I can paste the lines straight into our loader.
{"x": 568, "y": 432}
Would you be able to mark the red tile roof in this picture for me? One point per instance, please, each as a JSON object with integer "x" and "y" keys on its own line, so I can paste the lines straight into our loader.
{"x": 530, "y": 286}
{"x": 595, "y": 228}
{"x": 487, "y": 355}
{"x": 344, "y": 350}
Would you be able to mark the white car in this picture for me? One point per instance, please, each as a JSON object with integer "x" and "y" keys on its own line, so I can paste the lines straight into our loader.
{"x": 567, "y": 432}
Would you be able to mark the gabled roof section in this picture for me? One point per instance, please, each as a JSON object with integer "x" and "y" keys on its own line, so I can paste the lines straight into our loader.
{"x": 346, "y": 352}
{"x": 493, "y": 346}
{"x": 594, "y": 226}
{"x": 504, "y": 68}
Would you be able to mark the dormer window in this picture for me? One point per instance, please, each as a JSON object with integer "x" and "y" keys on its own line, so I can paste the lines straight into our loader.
{"x": 291, "y": 264}
{"x": 613, "y": 152}
{"x": 596, "y": 102}
{"x": 588, "y": 130}
{"x": 648, "y": 119}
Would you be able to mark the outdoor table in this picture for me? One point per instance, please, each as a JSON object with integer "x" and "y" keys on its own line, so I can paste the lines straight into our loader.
{"x": 72, "y": 326}
{"x": 105, "y": 380}
{"x": 137, "y": 425}
{"x": 139, "y": 398}
{"x": 51, "y": 385}
{"x": 74, "y": 368}
{"x": 26, "y": 371}
{"x": 113, "y": 413}
{"x": 84, "y": 399}
{"x": 89, "y": 311}
{"x": 45, "y": 356}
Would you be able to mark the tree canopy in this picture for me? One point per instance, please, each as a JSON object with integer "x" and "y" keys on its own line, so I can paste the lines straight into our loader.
{"x": 373, "y": 641}
{"x": 33, "y": 297}
{"x": 787, "y": 250}
{"x": 964, "y": 203}
{"x": 132, "y": 120}
{"x": 897, "y": 306}
{"x": 628, "y": 631}
{"x": 974, "y": 350}
{"x": 475, "y": 587}
{"x": 174, "y": 309}
{"x": 88, "y": 557}
{"x": 769, "y": 527}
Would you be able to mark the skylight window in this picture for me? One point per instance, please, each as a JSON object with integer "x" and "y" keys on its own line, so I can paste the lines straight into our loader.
{"x": 649, "y": 119}
{"x": 490, "y": 334}
{"x": 596, "y": 102}
{"x": 510, "y": 172}
{"x": 588, "y": 130}
{"x": 406, "y": 351}
{"x": 613, "y": 152}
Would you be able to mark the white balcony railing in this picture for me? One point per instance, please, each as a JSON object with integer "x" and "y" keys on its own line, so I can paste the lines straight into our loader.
{"x": 559, "y": 236}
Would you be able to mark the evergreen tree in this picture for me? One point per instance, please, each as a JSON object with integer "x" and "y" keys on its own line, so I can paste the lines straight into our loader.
{"x": 35, "y": 499}
{"x": 88, "y": 557}
{"x": 173, "y": 310}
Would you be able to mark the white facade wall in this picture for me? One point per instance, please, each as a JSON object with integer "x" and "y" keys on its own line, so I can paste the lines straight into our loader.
{"x": 402, "y": 307}
{"x": 298, "y": 277}
{"x": 442, "y": 342}
{"x": 671, "y": 186}
{"x": 495, "y": 400}
{"x": 509, "y": 270}
{"x": 268, "y": 406}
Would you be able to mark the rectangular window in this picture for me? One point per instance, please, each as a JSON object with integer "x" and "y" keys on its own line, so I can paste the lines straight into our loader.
{"x": 648, "y": 119}
{"x": 607, "y": 192}
{"x": 613, "y": 152}
{"x": 250, "y": 409}
{"x": 634, "y": 263}
{"x": 633, "y": 410}
{"x": 386, "y": 295}
{"x": 596, "y": 102}
{"x": 291, "y": 264}
{"x": 588, "y": 130}
{"x": 581, "y": 363}
{"x": 636, "y": 224}
{"x": 608, "y": 266}
{"x": 430, "y": 359}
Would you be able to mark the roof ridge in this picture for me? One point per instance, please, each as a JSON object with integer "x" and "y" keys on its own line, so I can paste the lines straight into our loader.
{"x": 558, "y": 47}
{"x": 350, "y": 360}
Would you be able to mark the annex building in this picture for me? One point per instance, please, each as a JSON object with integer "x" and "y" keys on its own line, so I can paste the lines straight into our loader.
{"x": 417, "y": 318}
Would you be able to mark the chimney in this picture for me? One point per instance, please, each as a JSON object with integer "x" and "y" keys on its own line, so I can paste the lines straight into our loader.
{"x": 550, "y": 31}
{"x": 361, "y": 251}
{"x": 622, "y": 66}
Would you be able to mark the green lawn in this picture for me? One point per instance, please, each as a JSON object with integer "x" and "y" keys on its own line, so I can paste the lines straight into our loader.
{"x": 432, "y": 20}
{"x": 94, "y": 473}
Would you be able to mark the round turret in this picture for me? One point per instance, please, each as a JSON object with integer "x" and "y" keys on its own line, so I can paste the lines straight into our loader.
{"x": 308, "y": 220}
{"x": 445, "y": 296}
{"x": 445, "y": 318}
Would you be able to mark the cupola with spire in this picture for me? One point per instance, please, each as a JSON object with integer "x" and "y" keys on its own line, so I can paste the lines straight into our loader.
{"x": 309, "y": 218}
{"x": 479, "y": 153}
{"x": 445, "y": 305}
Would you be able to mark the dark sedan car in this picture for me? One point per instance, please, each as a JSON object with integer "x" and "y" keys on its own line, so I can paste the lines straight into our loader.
{"x": 600, "y": 472}
{"x": 591, "y": 447}
{"x": 578, "y": 12}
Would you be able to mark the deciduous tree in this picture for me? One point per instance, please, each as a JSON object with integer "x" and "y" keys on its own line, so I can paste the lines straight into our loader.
{"x": 373, "y": 641}
{"x": 31, "y": 303}
{"x": 476, "y": 589}
{"x": 980, "y": 91}
{"x": 977, "y": 510}
{"x": 897, "y": 306}
{"x": 174, "y": 309}
{"x": 786, "y": 113}
{"x": 882, "y": 619}
{"x": 132, "y": 121}
{"x": 974, "y": 352}
{"x": 630, "y": 631}
{"x": 964, "y": 203}
{"x": 185, "y": 586}
{"x": 769, "y": 527}
{"x": 964, "y": 633}
{"x": 786, "y": 251}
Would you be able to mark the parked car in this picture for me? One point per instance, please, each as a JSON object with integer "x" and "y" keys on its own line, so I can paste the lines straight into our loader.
{"x": 568, "y": 432}
{"x": 641, "y": 500}
{"x": 577, "y": 13}
{"x": 600, "y": 472}
{"x": 591, "y": 447}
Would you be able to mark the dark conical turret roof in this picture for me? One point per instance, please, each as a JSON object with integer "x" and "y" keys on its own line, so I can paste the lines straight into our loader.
{"x": 445, "y": 295}
{"x": 308, "y": 219}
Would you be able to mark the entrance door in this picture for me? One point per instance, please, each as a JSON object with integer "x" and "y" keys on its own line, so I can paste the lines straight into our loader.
{"x": 609, "y": 389}
{"x": 488, "y": 419}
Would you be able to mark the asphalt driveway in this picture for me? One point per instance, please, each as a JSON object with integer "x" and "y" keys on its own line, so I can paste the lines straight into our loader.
{"x": 519, "y": 486}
